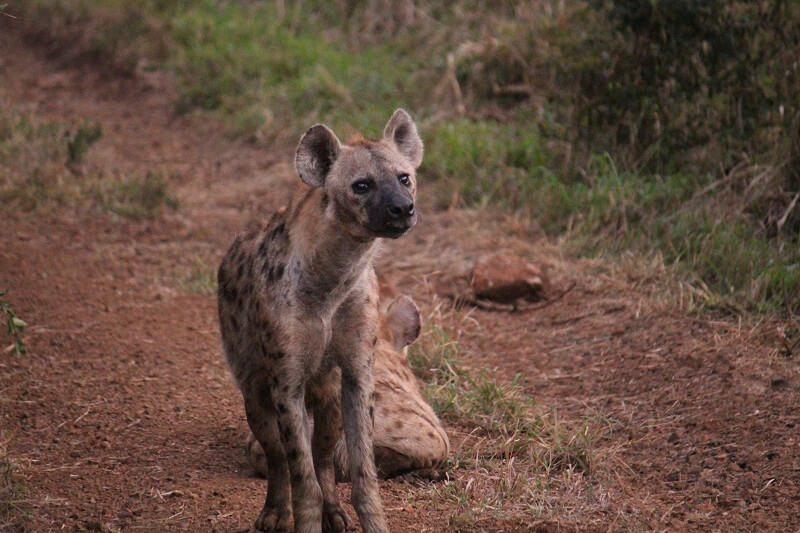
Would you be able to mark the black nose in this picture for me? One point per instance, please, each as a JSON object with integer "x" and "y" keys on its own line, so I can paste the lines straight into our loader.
{"x": 399, "y": 210}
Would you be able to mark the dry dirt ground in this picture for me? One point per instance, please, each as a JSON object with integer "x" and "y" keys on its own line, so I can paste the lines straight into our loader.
{"x": 122, "y": 415}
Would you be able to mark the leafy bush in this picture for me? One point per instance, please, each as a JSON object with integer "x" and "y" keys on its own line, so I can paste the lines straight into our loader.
{"x": 687, "y": 74}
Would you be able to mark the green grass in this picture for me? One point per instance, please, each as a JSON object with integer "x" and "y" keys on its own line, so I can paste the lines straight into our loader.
{"x": 540, "y": 99}
{"x": 270, "y": 80}
{"x": 79, "y": 142}
{"x": 509, "y": 418}
{"x": 132, "y": 195}
{"x": 201, "y": 279}
{"x": 512, "y": 456}
{"x": 41, "y": 165}
{"x": 705, "y": 231}
{"x": 486, "y": 162}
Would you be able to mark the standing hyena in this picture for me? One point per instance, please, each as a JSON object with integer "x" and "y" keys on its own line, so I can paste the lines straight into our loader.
{"x": 408, "y": 435}
{"x": 298, "y": 307}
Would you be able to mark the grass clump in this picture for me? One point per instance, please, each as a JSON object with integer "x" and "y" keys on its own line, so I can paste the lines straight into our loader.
{"x": 14, "y": 326}
{"x": 12, "y": 491}
{"x": 507, "y": 417}
{"x": 133, "y": 196}
{"x": 79, "y": 142}
{"x": 512, "y": 457}
{"x": 43, "y": 164}
{"x": 202, "y": 278}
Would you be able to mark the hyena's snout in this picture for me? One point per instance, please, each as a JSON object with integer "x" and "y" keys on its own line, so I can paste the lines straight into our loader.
{"x": 400, "y": 209}
{"x": 397, "y": 213}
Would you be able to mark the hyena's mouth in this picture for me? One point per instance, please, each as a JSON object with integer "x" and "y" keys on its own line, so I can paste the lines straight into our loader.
{"x": 393, "y": 231}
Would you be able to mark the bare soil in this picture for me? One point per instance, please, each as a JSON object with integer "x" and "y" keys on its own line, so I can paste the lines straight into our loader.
{"x": 122, "y": 415}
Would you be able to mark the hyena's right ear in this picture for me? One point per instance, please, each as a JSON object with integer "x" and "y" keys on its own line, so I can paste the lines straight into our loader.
{"x": 404, "y": 321}
{"x": 402, "y": 131}
{"x": 317, "y": 151}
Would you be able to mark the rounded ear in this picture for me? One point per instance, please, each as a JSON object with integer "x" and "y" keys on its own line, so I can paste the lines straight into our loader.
{"x": 404, "y": 321}
{"x": 402, "y": 131}
{"x": 317, "y": 151}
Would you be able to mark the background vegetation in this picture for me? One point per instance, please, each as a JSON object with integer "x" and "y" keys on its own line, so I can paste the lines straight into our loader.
{"x": 663, "y": 127}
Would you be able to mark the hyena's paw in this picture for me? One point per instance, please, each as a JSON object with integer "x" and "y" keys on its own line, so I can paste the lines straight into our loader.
{"x": 272, "y": 520}
{"x": 334, "y": 519}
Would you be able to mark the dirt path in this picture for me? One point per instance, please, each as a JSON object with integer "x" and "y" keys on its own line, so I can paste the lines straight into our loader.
{"x": 123, "y": 416}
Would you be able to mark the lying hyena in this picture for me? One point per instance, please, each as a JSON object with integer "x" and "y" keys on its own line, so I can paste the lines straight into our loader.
{"x": 408, "y": 435}
{"x": 298, "y": 309}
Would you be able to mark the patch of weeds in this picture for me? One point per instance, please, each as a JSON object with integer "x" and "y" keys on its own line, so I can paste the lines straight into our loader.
{"x": 133, "y": 196}
{"x": 36, "y": 171}
{"x": 79, "y": 142}
{"x": 728, "y": 254}
{"x": 202, "y": 278}
{"x": 464, "y": 519}
{"x": 14, "y": 326}
{"x": 508, "y": 419}
{"x": 12, "y": 490}
{"x": 486, "y": 162}
{"x": 701, "y": 228}
{"x": 514, "y": 460}
{"x": 472, "y": 398}
{"x": 545, "y": 86}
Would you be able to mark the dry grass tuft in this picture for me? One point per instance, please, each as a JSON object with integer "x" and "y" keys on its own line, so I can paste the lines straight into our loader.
{"x": 12, "y": 490}
{"x": 43, "y": 164}
{"x": 513, "y": 459}
{"x": 201, "y": 279}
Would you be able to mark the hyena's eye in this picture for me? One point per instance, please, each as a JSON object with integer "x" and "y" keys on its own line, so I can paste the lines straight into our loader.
{"x": 361, "y": 186}
{"x": 404, "y": 179}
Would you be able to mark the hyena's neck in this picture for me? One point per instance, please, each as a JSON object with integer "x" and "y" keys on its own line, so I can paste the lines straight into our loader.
{"x": 329, "y": 260}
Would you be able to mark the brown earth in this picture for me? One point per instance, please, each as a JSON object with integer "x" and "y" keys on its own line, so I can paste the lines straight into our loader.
{"x": 122, "y": 415}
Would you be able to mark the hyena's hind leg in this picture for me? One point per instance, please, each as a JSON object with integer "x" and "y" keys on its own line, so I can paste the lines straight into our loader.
{"x": 276, "y": 514}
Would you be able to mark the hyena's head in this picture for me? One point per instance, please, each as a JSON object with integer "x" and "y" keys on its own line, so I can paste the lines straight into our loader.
{"x": 401, "y": 323}
{"x": 370, "y": 186}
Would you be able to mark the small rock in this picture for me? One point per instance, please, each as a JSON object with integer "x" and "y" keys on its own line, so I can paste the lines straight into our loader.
{"x": 92, "y": 525}
{"x": 778, "y": 382}
{"x": 505, "y": 278}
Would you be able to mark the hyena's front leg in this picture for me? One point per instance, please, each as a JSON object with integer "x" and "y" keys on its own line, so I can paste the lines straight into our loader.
{"x": 276, "y": 513}
{"x": 288, "y": 396}
{"x": 357, "y": 409}
{"x": 324, "y": 394}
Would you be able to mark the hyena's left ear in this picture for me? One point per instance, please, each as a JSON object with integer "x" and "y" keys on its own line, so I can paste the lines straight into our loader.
{"x": 318, "y": 149}
{"x": 404, "y": 321}
{"x": 402, "y": 131}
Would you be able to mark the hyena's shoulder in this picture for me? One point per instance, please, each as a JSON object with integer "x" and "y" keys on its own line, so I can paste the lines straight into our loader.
{"x": 257, "y": 254}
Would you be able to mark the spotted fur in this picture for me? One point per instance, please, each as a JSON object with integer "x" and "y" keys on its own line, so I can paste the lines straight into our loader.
{"x": 298, "y": 311}
{"x": 408, "y": 435}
